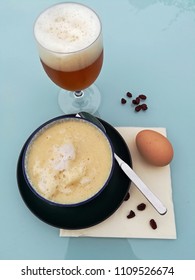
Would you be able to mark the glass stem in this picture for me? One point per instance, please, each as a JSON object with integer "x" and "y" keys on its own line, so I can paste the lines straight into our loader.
{"x": 79, "y": 98}
{"x": 79, "y": 93}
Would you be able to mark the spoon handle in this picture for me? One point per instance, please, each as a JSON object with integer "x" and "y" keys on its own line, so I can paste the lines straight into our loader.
{"x": 156, "y": 203}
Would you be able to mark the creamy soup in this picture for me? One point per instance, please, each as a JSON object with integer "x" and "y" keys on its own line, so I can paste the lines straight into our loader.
{"x": 69, "y": 161}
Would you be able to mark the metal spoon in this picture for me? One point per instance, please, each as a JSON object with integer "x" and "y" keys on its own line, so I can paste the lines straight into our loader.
{"x": 155, "y": 202}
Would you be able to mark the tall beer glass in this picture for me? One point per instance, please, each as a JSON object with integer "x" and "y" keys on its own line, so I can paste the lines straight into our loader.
{"x": 70, "y": 45}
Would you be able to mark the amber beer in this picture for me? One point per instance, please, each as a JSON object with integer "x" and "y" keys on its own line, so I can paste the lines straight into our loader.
{"x": 75, "y": 80}
{"x": 70, "y": 45}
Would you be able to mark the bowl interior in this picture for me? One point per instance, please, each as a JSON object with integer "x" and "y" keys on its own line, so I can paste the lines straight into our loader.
{"x": 68, "y": 162}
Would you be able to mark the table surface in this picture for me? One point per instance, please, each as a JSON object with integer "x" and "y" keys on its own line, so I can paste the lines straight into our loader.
{"x": 150, "y": 49}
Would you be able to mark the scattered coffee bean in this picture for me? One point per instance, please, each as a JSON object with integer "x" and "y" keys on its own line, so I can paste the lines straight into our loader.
{"x": 136, "y": 101}
{"x": 123, "y": 101}
{"x": 141, "y": 206}
{"x": 144, "y": 107}
{"x": 153, "y": 224}
{"x": 131, "y": 214}
{"x": 138, "y": 108}
{"x": 127, "y": 197}
{"x": 129, "y": 94}
{"x": 142, "y": 96}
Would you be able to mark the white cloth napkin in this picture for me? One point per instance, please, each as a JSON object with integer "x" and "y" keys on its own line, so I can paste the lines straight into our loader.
{"x": 159, "y": 181}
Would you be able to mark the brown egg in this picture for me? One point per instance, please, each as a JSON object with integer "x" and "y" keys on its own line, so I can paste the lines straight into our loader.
{"x": 154, "y": 147}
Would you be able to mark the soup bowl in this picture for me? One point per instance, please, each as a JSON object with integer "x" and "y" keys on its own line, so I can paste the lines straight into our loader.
{"x": 67, "y": 161}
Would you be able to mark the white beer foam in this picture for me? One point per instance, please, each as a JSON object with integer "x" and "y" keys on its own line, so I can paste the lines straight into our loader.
{"x": 65, "y": 34}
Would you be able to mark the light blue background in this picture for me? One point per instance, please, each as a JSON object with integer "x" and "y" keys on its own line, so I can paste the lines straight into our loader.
{"x": 150, "y": 49}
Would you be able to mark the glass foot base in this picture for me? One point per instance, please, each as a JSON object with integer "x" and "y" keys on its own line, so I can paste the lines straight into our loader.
{"x": 88, "y": 100}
